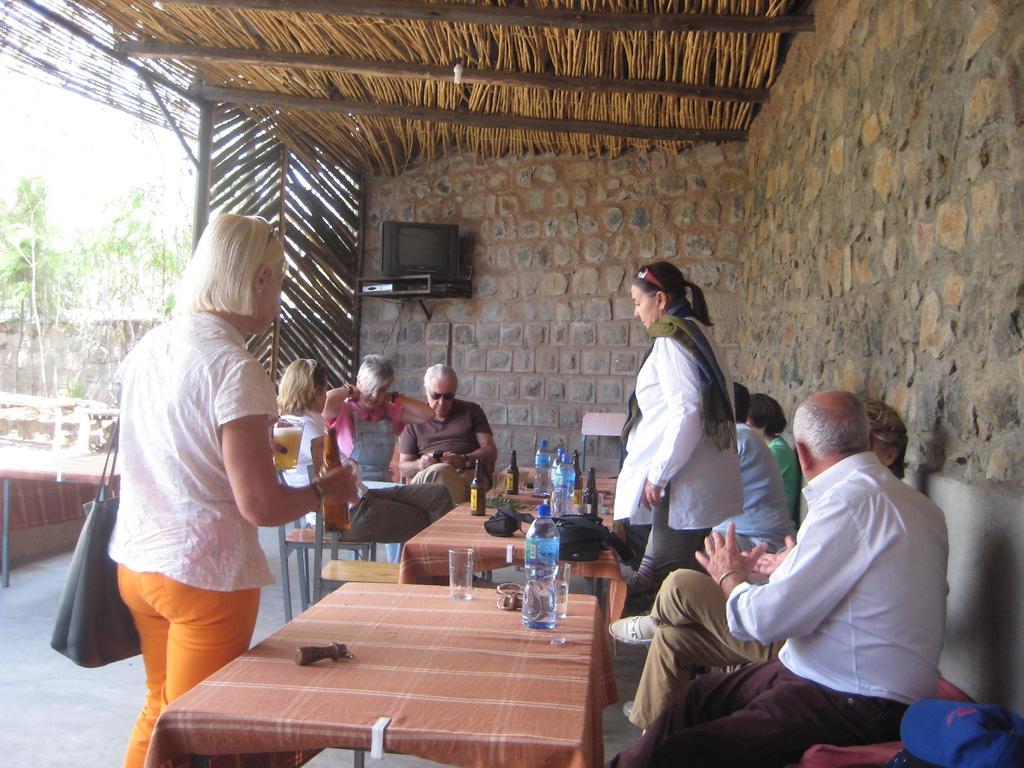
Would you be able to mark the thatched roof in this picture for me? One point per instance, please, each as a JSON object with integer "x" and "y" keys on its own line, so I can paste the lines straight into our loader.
{"x": 372, "y": 83}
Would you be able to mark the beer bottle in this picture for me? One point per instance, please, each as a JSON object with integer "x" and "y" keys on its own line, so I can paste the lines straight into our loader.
{"x": 478, "y": 491}
{"x": 577, "y": 488}
{"x": 591, "y": 501}
{"x": 512, "y": 477}
{"x": 335, "y": 515}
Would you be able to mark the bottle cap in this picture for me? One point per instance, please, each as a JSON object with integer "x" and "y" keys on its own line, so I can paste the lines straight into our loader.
{"x": 543, "y": 443}
{"x": 543, "y": 510}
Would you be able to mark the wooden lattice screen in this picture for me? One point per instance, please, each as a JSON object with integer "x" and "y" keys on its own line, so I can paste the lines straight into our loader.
{"x": 316, "y": 207}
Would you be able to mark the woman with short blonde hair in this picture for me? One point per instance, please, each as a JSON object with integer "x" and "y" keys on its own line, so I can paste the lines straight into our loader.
{"x": 197, "y": 473}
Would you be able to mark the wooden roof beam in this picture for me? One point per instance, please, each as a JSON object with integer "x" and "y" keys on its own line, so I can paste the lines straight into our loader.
{"x": 497, "y": 122}
{"x": 179, "y": 52}
{"x": 549, "y": 18}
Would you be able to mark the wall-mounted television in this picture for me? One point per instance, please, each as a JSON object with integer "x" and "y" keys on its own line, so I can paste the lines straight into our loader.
{"x": 408, "y": 248}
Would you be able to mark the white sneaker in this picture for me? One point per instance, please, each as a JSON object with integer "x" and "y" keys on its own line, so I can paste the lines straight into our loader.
{"x": 635, "y": 630}
{"x": 627, "y": 709}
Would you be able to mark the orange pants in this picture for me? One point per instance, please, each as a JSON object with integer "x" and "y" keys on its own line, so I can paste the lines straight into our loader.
{"x": 187, "y": 634}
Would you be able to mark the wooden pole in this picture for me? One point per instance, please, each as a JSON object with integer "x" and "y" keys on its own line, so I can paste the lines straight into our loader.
{"x": 201, "y": 209}
{"x": 543, "y": 18}
{"x": 275, "y": 339}
{"x": 496, "y": 122}
{"x": 285, "y": 59}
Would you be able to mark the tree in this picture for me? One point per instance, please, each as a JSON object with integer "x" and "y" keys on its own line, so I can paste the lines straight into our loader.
{"x": 28, "y": 263}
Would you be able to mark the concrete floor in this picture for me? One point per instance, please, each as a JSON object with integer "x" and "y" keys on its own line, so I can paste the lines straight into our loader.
{"x": 54, "y": 714}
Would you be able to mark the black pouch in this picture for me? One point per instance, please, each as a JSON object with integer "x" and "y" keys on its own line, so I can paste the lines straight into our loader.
{"x": 506, "y": 521}
{"x": 582, "y": 537}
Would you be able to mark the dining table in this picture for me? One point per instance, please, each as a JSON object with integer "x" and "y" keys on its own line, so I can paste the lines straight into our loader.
{"x": 43, "y": 488}
{"x": 425, "y": 555}
{"x": 457, "y": 682}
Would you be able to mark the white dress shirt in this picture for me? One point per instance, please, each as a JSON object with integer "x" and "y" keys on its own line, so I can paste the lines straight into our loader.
{"x": 862, "y": 596}
{"x": 668, "y": 444}
{"x": 181, "y": 383}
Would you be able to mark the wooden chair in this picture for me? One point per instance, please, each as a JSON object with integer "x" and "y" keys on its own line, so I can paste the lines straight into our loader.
{"x": 360, "y": 570}
{"x": 297, "y": 538}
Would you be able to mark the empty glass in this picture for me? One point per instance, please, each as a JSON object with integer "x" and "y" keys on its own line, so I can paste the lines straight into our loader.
{"x": 460, "y": 574}
{"x": 562, "y": 575}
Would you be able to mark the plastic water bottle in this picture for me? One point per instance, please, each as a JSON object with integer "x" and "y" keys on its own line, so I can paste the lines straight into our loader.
{"x": 540, "y": 598}
{"x": 542, "y": 470}
{"x": 569, "y": 481}
{"x": 557, "y": 484}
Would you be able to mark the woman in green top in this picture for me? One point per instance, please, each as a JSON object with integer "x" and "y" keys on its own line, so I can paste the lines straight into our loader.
{"x": 766, "y": 416}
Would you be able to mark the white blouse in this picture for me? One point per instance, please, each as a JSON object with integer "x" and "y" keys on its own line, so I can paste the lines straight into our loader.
{"x": 667, "y": 445}
{"x": 313, "y": 426}
{"x": 181, "y": 383}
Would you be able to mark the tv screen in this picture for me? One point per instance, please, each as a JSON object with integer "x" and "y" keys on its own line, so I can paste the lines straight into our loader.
{"x": 408, "y": 249}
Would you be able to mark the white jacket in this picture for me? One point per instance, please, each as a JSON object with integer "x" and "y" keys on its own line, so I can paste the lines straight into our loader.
{"x": 667, "y": 446}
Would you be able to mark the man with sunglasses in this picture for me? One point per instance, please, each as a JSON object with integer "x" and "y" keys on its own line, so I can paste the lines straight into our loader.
{"x": 445, "y": 449}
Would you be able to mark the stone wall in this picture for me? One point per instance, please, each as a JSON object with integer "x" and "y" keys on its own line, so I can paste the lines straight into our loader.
{"x": 883, "y": 254}
{"x": 884, "y": 227}
{"x": 549, "y": 333}
{"x": 80, "y": 359}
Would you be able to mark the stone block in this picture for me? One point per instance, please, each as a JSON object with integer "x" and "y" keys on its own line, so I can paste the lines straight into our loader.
{"x": 509, "y": 388}
{"x": 546, "y": 361}
{"x": 437, "y": 355}
{"x": 598, "y": 309}
{"x": 585, "y": 281}
{"x": 532, "y": 388}
{"x": 438, "y": 333}
{"x": 612, "y": 218}
{"x": 556, "y": 390}
{"x": 512, "y": 335}
{"x": 487, "y": 386}
{"x": 594, "y": 361}
{"x": 496, "y": 413}
{"x": 595, "y": 250}
{"x": 569, "y": 361}
{"x": 554, "y": 284}
{"x": 582, "y": 334}
{"x": 613, "y": 334}
{"x": 622, "y": 307}
{"x": 951, "y": 225}
{"x": 697, "y": 247}
{"x": 545, "y": 415}
{"x": 536, "y": 334}
{"x": 464, "y": 333}
{"x": 499, "y": 360}
{"x": 519, "y": 414}
{"x": 485, "y": 285}
{"x": 581, "y": 391}
{"x": 569, "y": 226}
{"x": 503, "y": 441}
{"x": 475, "y": 359}
{"x": 522, "y": 360}
{"x": 588, "y": 224}
{"x": 640, "y": 218}
{"x": 488, "y": 334}
{"x": 610, "y": 391}
{"x": 569, "y": 416}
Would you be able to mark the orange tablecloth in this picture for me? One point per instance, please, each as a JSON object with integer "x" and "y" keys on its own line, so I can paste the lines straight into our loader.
{"x": 425, "y": 555}
{"x": 464, "y": 684}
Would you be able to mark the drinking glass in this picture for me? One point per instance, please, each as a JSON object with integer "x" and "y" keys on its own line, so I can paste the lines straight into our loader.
{"x": 562, "y": 575}
{"x": 460, "y": 574}
{"x": 289, "y": 435}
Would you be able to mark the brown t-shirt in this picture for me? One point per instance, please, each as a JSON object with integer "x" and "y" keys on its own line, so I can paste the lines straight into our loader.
{"x": 456, "y": 434}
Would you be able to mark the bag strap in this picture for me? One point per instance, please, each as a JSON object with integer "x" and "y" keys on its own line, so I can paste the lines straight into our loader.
{"x": 110, "y": 462}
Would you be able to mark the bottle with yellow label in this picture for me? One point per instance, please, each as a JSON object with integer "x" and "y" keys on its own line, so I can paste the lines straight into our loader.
{"x": 512, "y": 477}
{"x": 478, "y": 491}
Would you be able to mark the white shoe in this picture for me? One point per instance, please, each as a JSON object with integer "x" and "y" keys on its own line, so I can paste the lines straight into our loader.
{"x": 627, "y": 709}
{"x": 635, "y": 630}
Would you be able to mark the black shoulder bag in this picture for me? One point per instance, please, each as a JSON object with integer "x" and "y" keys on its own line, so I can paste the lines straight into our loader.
{"x": 582, "y": 537}
{"x": 94, "y": 627}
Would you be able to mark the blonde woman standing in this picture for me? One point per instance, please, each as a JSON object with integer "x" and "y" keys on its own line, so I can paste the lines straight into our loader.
{"x": 197, "y": 474}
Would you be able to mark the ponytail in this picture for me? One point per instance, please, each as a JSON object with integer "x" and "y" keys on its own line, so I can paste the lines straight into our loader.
{"x": 700, "y": 306}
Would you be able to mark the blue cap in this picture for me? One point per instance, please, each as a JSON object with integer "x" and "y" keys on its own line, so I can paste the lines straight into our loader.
{"x": 963, "y": 735}
{"x": 543, "y": 510}
{"x": 544, "y": 443}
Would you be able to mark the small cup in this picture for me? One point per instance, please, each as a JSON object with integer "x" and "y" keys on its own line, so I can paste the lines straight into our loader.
{"x": 562, "y": 576}
{"x": 460, "y": 574}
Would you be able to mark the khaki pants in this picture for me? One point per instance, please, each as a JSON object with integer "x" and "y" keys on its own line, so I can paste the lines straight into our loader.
{"x": 455, "y": 480}
{"x": 690, "y": 610}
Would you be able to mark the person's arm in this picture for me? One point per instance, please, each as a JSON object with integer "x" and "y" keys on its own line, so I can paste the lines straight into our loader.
{"x": 335, "y": 397}
{"x": 262, "y": 500}
{"x": 409, "y": 463}
{"x": 810, "y": 581}
{"x": 487, "y": 452}
{"x": 413, "y": 411}
{"x": 316, "y": 453}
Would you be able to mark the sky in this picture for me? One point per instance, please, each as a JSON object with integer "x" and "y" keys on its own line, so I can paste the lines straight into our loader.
{"x": 89, "y": 154}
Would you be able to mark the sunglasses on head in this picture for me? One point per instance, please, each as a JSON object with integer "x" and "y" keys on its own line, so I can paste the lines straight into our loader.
{"x": 272, "y": 230}
{"x": 650, "y": 277}
{"x": 442, "y": 395}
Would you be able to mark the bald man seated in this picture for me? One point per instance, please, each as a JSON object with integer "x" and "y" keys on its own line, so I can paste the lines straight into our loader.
{"x": 861, "y": 598}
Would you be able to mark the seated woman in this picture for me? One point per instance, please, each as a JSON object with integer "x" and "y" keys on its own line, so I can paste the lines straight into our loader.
{"x": 765, "y": 416}
{"x": 366, "y": 418}
{"x": 302, "y": 393}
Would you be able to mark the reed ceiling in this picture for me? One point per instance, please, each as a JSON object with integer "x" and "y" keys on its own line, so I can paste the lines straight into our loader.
{"x": 373, "y": 86}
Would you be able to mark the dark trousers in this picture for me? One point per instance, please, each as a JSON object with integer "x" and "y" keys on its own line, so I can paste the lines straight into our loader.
{"x": 762, "y": 715}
